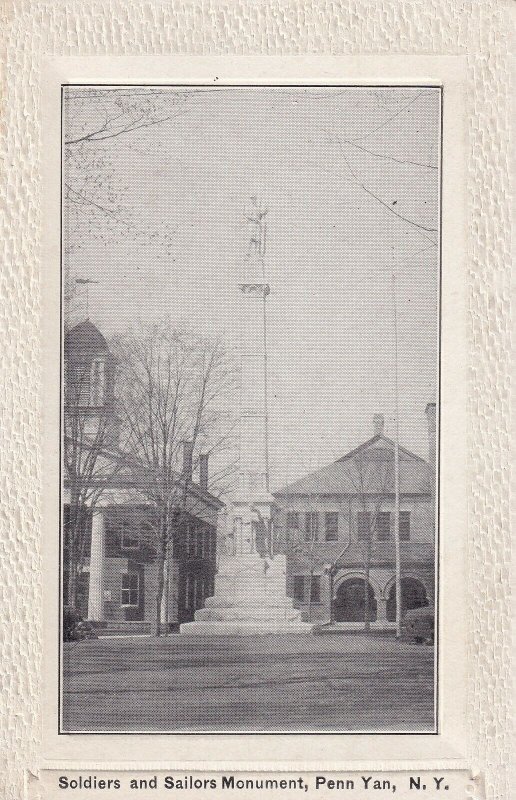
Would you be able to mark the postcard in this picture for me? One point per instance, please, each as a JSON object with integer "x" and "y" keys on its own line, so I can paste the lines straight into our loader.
{"x": 254, "y": 434}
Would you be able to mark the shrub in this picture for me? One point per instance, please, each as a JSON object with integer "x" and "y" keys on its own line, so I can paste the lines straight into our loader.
{"x": 74, "y": 627}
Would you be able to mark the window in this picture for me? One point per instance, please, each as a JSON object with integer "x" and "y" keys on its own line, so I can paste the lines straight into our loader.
{"x": 363, "y": 526}
{"x": 129, "y": 536}
{"x": 189, "y": 591}
{"x": 293, "y": 521}
{"x": 190, "y": 539}
{"x": 210, "y": 543}
{"x": 383, "y": 526}
{"x": 311, "y": 520}
{"x": 199, "y": 592}
{"x": 97, "y": 383}
{"x": 199, "y": 538}
{"x": 130, "y": 589}
{"x": 78, "y": 384}
{"x": 404, "y": 526}
{"x": 331, "y": 525}
{"x": 299, "y": 588}
{"x": 315, "y": 589}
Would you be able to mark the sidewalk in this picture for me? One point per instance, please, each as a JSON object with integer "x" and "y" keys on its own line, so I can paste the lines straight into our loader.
{"x": 354, "y": 627}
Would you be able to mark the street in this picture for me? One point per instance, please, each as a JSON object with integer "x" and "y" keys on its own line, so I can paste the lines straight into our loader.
{"x": 266, "y": 683}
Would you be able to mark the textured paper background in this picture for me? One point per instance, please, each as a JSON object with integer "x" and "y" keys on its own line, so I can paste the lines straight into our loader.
{"x": 480, "y": 30}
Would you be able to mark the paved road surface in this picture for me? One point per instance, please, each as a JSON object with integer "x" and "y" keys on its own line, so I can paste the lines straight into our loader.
{"x": 270, "y": 683}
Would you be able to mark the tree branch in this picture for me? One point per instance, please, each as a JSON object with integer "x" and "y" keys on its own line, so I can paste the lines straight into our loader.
{"x": 422, "y": 228}
{"x": 96, "y": 136}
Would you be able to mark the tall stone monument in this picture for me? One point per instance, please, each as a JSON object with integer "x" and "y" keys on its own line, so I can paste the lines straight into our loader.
{"x": 250, "y": 585}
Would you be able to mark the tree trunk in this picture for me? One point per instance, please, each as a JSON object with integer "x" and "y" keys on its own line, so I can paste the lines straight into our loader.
{"x": 72, "y": 536}
{"x": 330, "y": 586}
{"x": 71, "y": 594}
{"x": 159, "y": 590}
{"x": 310, "y": 596}
{"x": 367, "y": 604}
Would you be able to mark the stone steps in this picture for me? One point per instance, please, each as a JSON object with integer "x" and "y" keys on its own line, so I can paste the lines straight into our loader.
{"x": 241, "y": 628}
{"x": 250, "y": 599}
{"x": 248, "y": 614}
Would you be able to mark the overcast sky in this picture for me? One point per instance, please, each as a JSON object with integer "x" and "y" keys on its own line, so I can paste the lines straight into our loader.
{"x": 350, "y": 178}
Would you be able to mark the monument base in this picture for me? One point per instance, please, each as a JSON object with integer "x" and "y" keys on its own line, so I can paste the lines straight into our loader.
{"x": 249, "y": 600}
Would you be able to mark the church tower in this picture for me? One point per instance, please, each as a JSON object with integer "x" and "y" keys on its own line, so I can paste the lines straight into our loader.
{"x": 250, "y": 585}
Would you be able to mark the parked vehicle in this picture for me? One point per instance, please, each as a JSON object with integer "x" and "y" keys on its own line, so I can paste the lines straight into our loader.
{"x": 418, "y": 625}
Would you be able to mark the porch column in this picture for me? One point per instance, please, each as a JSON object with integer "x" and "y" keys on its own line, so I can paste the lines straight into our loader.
{"x": 96, "y": 591}
{"x": 381, "y": 609}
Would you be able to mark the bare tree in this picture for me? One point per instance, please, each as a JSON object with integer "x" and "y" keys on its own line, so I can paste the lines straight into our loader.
{"x": 173, "y": 390}
{"x": 371, "y": 473}
{"x": 90, "y": 464}
{"x": 301, "y": 540}
{"x": 100, "y": 125}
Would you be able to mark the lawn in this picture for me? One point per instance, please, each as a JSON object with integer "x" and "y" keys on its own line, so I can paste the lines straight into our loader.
{"x": 266, "y": 683}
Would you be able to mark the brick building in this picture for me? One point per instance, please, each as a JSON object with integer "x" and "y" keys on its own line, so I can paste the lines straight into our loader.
{"x": 343, "y": 515}
{"x": 117, "y": 578}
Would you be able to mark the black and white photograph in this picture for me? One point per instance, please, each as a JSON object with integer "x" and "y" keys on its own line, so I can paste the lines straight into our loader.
{"x": 249, "y": 437}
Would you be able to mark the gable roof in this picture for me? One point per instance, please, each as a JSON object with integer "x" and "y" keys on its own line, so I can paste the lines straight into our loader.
{"x": 361, "y": 471}
{"x": 128, "y": 472}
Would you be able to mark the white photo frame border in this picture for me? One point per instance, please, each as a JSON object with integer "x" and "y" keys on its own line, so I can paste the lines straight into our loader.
{"x": 286, "y": 750}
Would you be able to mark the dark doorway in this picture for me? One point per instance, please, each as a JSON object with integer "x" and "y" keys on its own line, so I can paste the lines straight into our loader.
{"x": 413, "y": 595}
{"x": 350, "y": 601}
{"x": 136, "y": 612}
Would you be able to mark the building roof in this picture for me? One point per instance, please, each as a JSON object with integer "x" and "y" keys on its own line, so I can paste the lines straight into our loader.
{"x": 129, "y": 473}
{"x": 85, "y": 336}
{"x": 367, "y": 469}
{"x": 353, "y": 554}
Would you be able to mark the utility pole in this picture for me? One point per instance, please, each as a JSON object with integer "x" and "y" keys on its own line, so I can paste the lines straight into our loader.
{"x": 396, "y": 465}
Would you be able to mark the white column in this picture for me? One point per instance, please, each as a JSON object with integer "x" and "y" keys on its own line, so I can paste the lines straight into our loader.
{"x": 96, "y": 591}
{"x": 381, "y": 609}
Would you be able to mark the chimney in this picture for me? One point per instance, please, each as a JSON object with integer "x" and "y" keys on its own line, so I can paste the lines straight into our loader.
{"x": 187, "y": 460}
{"x": 378, "y": 422}
{"x": 203, "y": 470}
{"x": 430, "y": 417}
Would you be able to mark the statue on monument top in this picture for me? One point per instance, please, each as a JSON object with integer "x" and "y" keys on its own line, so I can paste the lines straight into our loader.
{"x": 255, "y": 216}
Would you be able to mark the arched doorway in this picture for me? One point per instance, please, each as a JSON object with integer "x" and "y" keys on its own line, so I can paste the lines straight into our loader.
{"x": 350, "y": 601}
{"x": 413, "y": 595}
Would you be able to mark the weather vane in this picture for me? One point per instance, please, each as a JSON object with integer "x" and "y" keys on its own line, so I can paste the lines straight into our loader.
{"x": 85, "y": 282}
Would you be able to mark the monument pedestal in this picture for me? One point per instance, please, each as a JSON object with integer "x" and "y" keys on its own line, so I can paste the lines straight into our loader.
{"x": 249, "y": 600}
